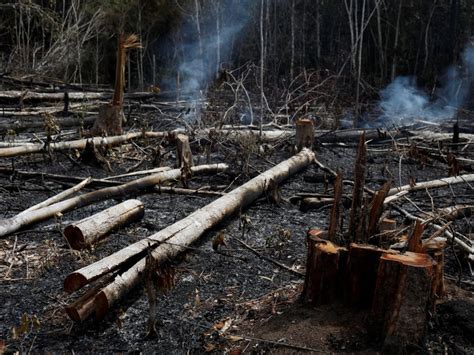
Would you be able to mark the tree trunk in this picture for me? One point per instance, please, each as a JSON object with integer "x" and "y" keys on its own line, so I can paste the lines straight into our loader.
{"x": 304, "y": 134}
{"x": 88, "y": 231}
{"x": 403, "y": 297}
{"x": 79, "y": 144}
{"x": 184, "y": 155}
{"x": 362, "y": 266}
{"x": 174, "y": 239}
{"x": 325, "y": 269}
{"x": 358, "y": 192}
{"x": 13, "y": 224}
{"x": 109, "y": 121}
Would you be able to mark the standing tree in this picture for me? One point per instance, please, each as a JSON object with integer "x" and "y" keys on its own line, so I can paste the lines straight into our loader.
{"x": 109, "y": 121}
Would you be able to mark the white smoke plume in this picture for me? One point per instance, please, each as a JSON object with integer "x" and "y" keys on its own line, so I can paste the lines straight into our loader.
{"x": 402, "y": 100}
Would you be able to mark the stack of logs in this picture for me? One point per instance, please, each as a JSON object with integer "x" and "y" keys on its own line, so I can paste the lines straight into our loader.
{"x": 398, "y": 289}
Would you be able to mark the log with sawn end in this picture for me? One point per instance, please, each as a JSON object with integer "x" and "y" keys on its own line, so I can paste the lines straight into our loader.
{"x": 77, "y": 144}
{"x": 13, "y": 224}
{"x": 175, "y": 238}
{"x": 88, "y": 231}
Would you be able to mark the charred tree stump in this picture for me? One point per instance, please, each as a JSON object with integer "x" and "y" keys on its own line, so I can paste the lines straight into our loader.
{"x": 90, "y": 230}
{"x": 304, "y": 134}
{"x": 325, "y": 266}
{"x": 358, "y": 192}
{"x": 403, "y": 297}
{"x": 109, "y": 121}
{"x": 435, "y": 249}
{"x": 336, "y": 208}
{"x": 362, "y": 267}
{"x": 184, "y": 154}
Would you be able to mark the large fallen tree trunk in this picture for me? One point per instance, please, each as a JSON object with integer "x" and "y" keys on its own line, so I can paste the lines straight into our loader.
{"x": 73, "y": 96}
{"x": 398, "y": 192}
{"x": 77, "y": 144}
{"x": 175, "y": 238}
{"x": 59, "y": 197}
{"x": 27, "y": 123}
{"x": 433, "y": 184}
{"x": 88, "y": 231}
{"x": 11, "y": 225}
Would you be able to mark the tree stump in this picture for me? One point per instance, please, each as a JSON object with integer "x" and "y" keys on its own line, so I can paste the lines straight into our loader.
{"x": 183, "y": 150}
{"x": 362, "y": 267}
{"x": 325, "y": 266}
{"x": 109, "y": 121}
{"x": 435, "y": 249}
{"x": 304, "y": 134}
{"x": 403, "y": 296}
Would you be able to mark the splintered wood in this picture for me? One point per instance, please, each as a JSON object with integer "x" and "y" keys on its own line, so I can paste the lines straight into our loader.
{"x": 358, "y": 192}
{"x": 325, "y": 268}
{"x": 397, "y": 289}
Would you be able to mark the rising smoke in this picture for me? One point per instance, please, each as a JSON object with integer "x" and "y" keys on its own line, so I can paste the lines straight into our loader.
{"x": 199, "y": 62}
{"x": 403, "y": 100}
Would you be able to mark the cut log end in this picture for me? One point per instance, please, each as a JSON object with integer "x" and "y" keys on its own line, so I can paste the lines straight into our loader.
{"x": 80, "y": 310}
{"x": 74, "y": 282}
{"x": 101, "y": 303}
{"x": 75, "y": 237}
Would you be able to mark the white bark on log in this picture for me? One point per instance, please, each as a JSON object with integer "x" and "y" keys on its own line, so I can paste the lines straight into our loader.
{"x": 181, "y": 233}
{"x": 141, "y": 172}
{"x": 73, "y": 96}
{"x": 430, "y": 185}
{"x": 88, "y": 231}
{"x": 77, "y": 144}
{"x": 59, "y": 197}
{"x": 191, "y": 228}
{"x": 11, "y": 225}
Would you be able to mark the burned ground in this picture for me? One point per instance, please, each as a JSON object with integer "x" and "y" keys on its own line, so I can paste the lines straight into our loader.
{"x": 225, "y": 299}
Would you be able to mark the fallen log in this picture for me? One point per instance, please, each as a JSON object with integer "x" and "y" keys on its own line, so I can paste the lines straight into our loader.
{"x": 77, "y": 144}
{"x": 175, "y": 238}
{"x": 11, "y": 225}
{"x": 59, "y": 197}
{"x": 141, "y": 172}
{"x": 88, "y": 231}
{"x": 313, "y": 203}
{"x": 25, "y": 124}
{"x": 59, "y": 177}
{"x": 433, "y": 184}
{"x": 25, "y": 96}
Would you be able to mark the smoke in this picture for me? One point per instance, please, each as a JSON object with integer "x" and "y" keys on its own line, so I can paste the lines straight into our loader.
{"x": 221, "y": 24}
{"x": 403, "y": 100}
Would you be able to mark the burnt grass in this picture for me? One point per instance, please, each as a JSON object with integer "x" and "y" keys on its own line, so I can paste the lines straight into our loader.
{"x": 232, "y": 288}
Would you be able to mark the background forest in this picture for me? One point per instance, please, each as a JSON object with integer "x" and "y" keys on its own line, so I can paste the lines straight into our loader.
{"x": 346, "y": 51}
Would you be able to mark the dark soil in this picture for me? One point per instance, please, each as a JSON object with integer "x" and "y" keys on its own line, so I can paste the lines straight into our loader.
{"x": 230, "y": 299}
